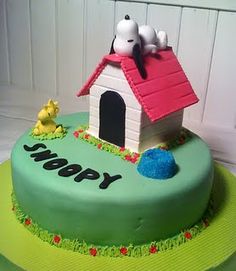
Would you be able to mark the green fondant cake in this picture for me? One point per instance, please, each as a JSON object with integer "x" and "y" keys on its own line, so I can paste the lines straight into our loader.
{"x": 125, "y": 179}
{"x": 57, "y": 183}
{"x": 76, "y": 189}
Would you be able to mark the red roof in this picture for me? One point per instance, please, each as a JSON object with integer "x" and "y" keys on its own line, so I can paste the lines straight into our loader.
{"x": 165, "y": 90}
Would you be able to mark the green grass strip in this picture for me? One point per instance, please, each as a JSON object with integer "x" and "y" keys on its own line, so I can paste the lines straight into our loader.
{"x": 127, "y": 155}
{"x": 80, "y": 246}
{"x": 49, "y": 136}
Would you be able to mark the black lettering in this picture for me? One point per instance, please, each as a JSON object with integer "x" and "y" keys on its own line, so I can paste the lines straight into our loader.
{"x": 108, "y": 180}
{"x": 44, "y": 155}
{"x": 35, "y": 147}
{"x": 55, "y": 163}
{"x": 69, "y": 170}
{"x": 88, "y": 173}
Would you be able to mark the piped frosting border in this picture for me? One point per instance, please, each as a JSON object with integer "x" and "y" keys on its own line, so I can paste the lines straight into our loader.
{"x": 80, "y": 246}
{"x": 81, "y": 133}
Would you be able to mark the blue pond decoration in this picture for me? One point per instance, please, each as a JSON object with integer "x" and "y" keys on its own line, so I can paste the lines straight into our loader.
{"x": 157, "y": 164}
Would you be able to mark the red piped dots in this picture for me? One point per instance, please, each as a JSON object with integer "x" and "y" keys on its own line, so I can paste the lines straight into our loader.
{"x": 93, "y": 251}
{"x": 153, "y": 249}
{"x": 86, "y": 136}
{"x": 135, "y": 157}
{"x": 123, "y": 250}
{"x": 133, "y": 160}
{"x": 57, "y": 239}
{"x": 187, "y": 235}
{"x": 27, "y": 221}
{"x": 128, "y": 157}
{"x": 122, "y": 149}
{"x": 76, "y": 134}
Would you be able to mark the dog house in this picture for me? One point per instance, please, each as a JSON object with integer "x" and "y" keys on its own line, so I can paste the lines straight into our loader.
{"x": 136, "y": 113}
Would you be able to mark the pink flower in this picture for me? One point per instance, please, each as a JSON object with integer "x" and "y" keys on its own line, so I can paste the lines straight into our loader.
{"x": 128, "y": 157}
{"x": 93, "y": 251}
{"x": 188, "y": 235}
{"x": 76, "y": 134}
{"x": 57, "y": 239}
{"x": 27, "y": 221}
{"x": 86, "y": 136}
{"x": 123, "y": 250}
{"x": 99, "y": 145}
{"x": 133, "y": 160}
{"x": 122, "y": 149}
{"x": 153, "y": 249}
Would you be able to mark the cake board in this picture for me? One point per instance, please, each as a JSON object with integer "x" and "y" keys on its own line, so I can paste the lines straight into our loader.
{"x": 212, "y": 248}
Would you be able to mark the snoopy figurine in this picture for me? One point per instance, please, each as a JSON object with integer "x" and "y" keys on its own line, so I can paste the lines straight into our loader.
{"x": 162, "y": 40}
{"x": 151, "y": 40}
{"x": 127, "y": 42}
{"x": 135, "y": 41}
{"x": 148, "y": 37}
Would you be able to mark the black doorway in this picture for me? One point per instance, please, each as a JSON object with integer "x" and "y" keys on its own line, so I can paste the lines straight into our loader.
{"x": 112, "y": 118}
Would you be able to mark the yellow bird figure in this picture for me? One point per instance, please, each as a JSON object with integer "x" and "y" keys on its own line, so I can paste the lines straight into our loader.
{"x": 45, "y": 123}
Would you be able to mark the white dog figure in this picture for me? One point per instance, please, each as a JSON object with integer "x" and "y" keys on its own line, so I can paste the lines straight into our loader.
{"x": 134, "y": 41}
{"x": 162, "y": 40}
{"x": 127, "y": 42}
{"x": 152, "y": 41}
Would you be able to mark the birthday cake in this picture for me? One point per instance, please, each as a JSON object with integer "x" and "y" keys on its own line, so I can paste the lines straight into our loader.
{"x": 124, "y": 179}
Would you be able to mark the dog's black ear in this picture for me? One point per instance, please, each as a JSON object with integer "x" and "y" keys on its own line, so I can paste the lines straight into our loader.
{"x": 138, "y": 59}
{"x": 112, "y": 48}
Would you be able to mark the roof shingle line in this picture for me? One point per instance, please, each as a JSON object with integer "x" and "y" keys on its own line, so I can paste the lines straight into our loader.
{"x": 185, "y": 95}
{"x": 160, "y": 77}
{"x": 165, "y": 89}
{"x": 134, "y": 68}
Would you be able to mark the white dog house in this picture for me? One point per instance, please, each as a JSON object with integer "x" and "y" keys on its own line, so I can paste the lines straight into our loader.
{"x": 136, "y": 113}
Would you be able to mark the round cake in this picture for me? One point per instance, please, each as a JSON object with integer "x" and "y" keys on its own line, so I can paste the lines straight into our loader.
{"x": 124, "y": 180}
{"x": 57, "y": 183}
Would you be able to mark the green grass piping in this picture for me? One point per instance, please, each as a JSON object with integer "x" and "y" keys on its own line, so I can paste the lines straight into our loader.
{"x": 112, "y": 251}
{"x": 125, "y": 154}
{"x": 49, "y": 136}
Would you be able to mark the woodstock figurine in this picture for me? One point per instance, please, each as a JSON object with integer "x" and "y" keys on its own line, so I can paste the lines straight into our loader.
{"x": 45, "y": 123}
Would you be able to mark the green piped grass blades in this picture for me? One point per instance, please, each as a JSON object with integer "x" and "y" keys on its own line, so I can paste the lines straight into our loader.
{"x": 112, "y": 251}
{"x": 126, "y": 154}
{"x": 49, "y": 136}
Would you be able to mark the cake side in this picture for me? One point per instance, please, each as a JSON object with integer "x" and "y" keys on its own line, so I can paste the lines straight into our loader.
{"x": 132, "y": 210}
